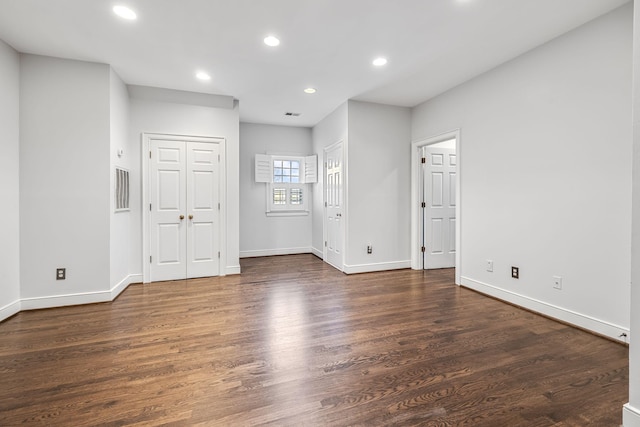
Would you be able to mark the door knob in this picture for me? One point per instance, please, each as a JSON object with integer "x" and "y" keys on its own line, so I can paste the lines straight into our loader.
{"x": 181, "y": 217}
{"x": 190, "y": 216}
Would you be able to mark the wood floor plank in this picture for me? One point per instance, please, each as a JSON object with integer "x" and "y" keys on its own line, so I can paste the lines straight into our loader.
{"x": 293, "y": 342}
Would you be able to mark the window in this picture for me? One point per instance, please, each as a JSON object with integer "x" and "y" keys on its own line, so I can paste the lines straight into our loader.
{"x": 286, "y": 171}
{"x": 279, "y": 196}
{"x": 287, "y": 179}
{"x": 295, "y": 196}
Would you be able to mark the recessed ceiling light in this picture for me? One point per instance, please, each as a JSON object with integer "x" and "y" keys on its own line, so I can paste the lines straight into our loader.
{"x": 379, "y": 62}
{"x": 124, "y": 12}
{"x": 271, "y": 41}
{"x": 309, "y": 90}
{"x": 203, "y": 76}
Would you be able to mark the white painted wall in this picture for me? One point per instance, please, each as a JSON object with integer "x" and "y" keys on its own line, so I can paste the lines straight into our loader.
{"x": 330, "y": 130}
{"x": 64, "y": 180}
{"x": 631, "y": 412}
{"x": 9, "y": 181}
{"x": 546, "y": 173}
{"x": 379, "y": 187}
{"x": 262, "y": 235}
{"x": 121, "y": 230}
{"x": 155, "y": 116}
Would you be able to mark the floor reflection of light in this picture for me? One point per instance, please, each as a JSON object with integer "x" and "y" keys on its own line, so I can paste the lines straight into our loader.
{"x": 288, "y": 344}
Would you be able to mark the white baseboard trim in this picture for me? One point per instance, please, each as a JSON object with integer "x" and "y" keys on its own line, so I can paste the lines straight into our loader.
{"x": 580, "y": 320}
{"x": 10, "y": 309}
{"x": 273, "y": 252}
{"x": 630, "y": 416}
{"x": 317, "y": 252}
{"x": 80, "y": 298}
{"x": 233, "y": 269}
{"x": 124, "y": 283}
{"x": 380, "y": 266}
{"x": 63, "y": 300}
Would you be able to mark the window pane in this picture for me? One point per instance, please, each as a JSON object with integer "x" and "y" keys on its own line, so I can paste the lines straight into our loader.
{"x": 277, "y": 179}
{"x": 295, "y": 164}
{"x": 277, "y": 163}
{"x": 295, "y": 172}
{"x": 286, "y": 179}
{"x": 286, "y": 164}
{"x": 296, "y": 196}
{"x": 279, "y": 196}
{"x": 277, "y": 171}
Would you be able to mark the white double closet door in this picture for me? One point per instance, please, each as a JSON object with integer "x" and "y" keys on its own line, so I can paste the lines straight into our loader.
{"x": 184, "y": 209}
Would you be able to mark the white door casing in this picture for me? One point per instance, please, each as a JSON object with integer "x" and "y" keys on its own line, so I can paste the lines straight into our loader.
{"x": 439, "y": 212}
{"x": 184, "y": 221}
{"x": 334, "y": 206}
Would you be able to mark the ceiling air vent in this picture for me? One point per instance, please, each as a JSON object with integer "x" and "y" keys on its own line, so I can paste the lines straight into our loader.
{"x": 289, "y": 114}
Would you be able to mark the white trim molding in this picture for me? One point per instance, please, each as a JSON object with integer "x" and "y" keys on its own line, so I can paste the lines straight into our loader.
{"x": 317, "y": 252}
{"x": 379, "y": 266}
{"x": 124, "y": 283}
{"x": 10, "y": 309}
{"x": 53, "y": 301}
{"x": 580, "y": 320}
{"x": 416, "y": 187}
{"x": 272, "y": 252}
{"x": 231, "y": 270}
{"x": 630, "y": 416}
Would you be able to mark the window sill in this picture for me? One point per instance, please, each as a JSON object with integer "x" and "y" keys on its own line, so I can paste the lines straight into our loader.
{"x": 288, "y": 213}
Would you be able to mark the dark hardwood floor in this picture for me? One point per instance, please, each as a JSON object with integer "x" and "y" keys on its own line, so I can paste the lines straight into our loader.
{"x": 293, "y": 342}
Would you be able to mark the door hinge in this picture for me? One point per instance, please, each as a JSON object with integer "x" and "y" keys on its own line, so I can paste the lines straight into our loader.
{"x": 218, "y": 254}
{"x": 150, "y": 259}
{"x": 423, "y": 249}
{"x": 424, "y": 205}
{"x": 424, "y": 160}
{"x": 325, "y": 243}
{"x": 218, "y": 158}
{"x": 149, "y": 154}
{"x": 325, "y": 204}
{"x": 218, "y": 206}
{"x": 149, "y": 207}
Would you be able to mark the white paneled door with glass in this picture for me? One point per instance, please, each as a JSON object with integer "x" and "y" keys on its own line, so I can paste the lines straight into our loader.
{"x": 184, "y": 196}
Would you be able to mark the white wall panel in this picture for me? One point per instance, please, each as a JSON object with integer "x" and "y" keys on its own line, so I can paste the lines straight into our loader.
{"x": 153, "y": 114}
{"x": 546, "y": 173}
{"x": 65, "y": 172}
{"x": 9, "y": 182}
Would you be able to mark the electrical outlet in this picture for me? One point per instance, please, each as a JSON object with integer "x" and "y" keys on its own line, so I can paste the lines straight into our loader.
{"x": 61, "y": 273}
{"x": 370, "y": 249}
{"x": 515, "y": 272}
{"x": 557, "y": 282}
{"x": 490, "y": 266}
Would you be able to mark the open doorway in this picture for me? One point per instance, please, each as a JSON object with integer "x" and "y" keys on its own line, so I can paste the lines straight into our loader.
{"x": 435, "y": 224}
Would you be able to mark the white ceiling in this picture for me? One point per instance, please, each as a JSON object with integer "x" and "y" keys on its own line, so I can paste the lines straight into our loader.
{"x": 432, "y": 45}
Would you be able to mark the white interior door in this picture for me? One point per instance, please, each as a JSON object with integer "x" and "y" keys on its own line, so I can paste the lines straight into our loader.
{"x": 203, "y": 209}
{"x": 439, "y": 208}
{"x": 334, "y": 195}
{"x": 168, "y": 239}
{"x": 184, "y": 236}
